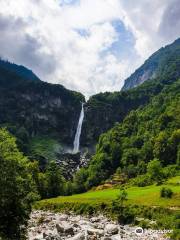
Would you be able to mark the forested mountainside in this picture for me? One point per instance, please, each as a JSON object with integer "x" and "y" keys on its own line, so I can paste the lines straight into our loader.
{"x": 19, "y": 70}
{"x": 155, "y": 66}
{"x": 103, "y": 110}
{"x": 43, "y": 115}
{"x": 37, "y": 109}
{"x": 149, "y": 135}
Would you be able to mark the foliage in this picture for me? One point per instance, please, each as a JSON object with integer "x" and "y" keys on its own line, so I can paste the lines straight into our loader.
{"x": 50, "y": 182}
{"x": 166, "y": 192}
{"x": 78, "y": 181}
{"x": 44, "y": 149}
{"x": 124, "y": 216}
{"x": 17, "y": 188}
{"x": 154, "y": 169}
{"x": 122, "y": 197}
{"x": 148, "y": 141}
{"x": 55, "y": 180}
{"x": 164, "y": 61}
{"x": 19, "y": 70}
{"x": 148, "y": 196}
{"x": 142, "y": 180}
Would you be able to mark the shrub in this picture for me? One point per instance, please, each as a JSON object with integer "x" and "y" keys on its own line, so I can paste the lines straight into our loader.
{"x": 166, "y": 192}
{"x": 170, "y": 171}
{"x": 143, "y": 180}
{"x": 154, "y": 170}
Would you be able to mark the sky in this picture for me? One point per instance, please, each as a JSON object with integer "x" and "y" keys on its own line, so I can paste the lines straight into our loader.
{"x": 89, "y": 46}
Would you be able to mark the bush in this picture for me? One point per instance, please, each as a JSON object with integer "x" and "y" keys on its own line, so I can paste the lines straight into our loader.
{"x": 123, "y": 212}
{"x": 170, "y": 171}
{"x": 166, "y": 192}
{"x": 143, "y": 180}
{"x": 154, "y": 169}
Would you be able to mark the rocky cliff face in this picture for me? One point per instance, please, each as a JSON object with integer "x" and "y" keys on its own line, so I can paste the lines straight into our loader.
{"x": 155, "y": 66}
{"x": 39, "y": 108}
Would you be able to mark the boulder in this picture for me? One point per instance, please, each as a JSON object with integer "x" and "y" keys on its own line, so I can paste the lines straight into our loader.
{"x": 48, "y": 235}
{"x": 111, "y": 229}
{"x": 60, "y": 228}
{"x": 94, "y": 231}
{"x": 69, "y": 230}
{"x": 75, "y": 218}
{"x": 117, "y": 237}
{"x": 94, "y": 219}
{"x": 79, "y": 236}
{"x": 37, "y": 237}
{"x": 65, "y": 228}
{"x": 63, "y": 217}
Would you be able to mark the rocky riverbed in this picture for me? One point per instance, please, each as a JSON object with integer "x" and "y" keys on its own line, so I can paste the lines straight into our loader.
{"x": 57, "y": 226}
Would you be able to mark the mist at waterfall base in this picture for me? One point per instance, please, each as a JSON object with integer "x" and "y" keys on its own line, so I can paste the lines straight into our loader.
{"x": 78, "y": 131}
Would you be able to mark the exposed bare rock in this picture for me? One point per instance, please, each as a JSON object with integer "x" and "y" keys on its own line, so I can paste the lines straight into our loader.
{"x": 111, "y": 229}
{"x": 57, "y": 226}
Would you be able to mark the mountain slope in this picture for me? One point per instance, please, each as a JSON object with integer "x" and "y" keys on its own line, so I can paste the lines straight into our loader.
{"x": 103, "y": 110}
{"x": 151, "y": 132}
{"x": 21, "y": 71}
{"x": 37, "y": 109}
{"x": 155, "y": 66}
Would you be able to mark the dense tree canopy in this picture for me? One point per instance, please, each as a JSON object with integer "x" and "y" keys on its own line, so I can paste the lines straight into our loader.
{"x": 17, "y": 188}
{"x": 151, "y": 132}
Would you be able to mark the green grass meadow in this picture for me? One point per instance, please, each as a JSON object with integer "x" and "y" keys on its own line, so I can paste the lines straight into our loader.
{"x": 147, "y": 196}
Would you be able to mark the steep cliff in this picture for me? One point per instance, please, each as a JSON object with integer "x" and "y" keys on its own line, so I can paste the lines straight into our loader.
{"x": 32, "y": 108}
{"x": 154, "y": 66}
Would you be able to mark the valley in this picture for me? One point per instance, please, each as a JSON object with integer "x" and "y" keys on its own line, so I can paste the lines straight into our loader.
{"x": 114, "y": 157}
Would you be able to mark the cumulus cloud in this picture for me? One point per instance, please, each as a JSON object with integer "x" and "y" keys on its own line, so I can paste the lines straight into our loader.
{"x": 170, "y": 22}
{"x": 74, "y": 42}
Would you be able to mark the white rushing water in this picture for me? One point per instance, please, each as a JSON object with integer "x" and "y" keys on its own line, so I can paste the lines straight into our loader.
{"x": 78, "y": 131}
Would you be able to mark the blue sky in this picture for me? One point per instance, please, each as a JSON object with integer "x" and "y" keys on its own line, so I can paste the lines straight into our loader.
{"x": 68, "y": 2}
{"x": 86, "y": 45}
{"x": 124, "y": 46}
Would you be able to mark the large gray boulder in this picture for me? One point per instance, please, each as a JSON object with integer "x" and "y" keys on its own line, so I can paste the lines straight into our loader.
{"x": 111, "y": 229}
{"x": 65, "y": 228}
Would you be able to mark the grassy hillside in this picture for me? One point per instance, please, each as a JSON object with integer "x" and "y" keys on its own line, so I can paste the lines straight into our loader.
{"x": 143, "y": 205}
{"x": 148, "y": 196}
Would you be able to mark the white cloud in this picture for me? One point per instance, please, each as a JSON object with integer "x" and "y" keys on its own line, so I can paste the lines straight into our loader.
{"x": 70, "y": 41}
{"x": 143, "y": 19}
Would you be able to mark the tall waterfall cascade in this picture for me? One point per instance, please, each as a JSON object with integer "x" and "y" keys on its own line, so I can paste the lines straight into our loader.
{"x": 78, "y": 131}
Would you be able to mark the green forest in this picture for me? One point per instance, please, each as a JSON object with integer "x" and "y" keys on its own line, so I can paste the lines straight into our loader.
{"x": 139, "y": 146}
{"x": 148, "y": 138}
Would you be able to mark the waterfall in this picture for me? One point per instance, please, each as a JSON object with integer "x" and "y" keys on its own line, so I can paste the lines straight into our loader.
{"x": 78, "y": 131}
